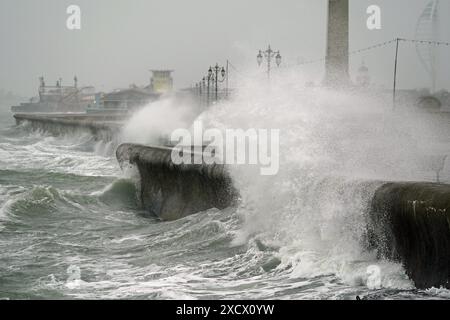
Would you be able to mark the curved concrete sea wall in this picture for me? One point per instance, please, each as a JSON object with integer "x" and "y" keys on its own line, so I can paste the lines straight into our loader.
{"x": 410, "y": 222}
{"x": 100, "y": 126}
{"x": 174, "y": 191}
{"x": 407, "y": 222}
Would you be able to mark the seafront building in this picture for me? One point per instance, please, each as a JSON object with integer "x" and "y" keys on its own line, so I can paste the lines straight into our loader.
{"x": 132, "y": 98}
{"x": 73, "y": 99}
{"x": 58, "y": 98}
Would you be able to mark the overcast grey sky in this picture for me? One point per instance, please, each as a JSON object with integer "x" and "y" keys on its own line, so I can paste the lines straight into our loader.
{"x": 121, "y": 39}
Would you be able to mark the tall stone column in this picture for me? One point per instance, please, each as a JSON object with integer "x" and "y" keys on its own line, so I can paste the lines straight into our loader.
{"x": 337, "y": 62}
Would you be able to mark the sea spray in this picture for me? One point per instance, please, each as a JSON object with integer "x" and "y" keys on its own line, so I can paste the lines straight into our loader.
{"x": 153, "y": 124}
{"x": 335, "y": 149}
{"x": 308, "y": 221}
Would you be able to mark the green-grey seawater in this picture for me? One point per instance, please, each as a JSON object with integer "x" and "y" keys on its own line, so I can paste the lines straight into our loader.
{"x": 71, "y": 228}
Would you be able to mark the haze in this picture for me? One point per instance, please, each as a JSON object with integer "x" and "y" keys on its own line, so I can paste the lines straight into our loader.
{"x": 121, "y": 40}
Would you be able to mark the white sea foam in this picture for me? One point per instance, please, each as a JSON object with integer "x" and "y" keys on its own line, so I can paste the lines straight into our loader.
{"x": 66, "y": 154}
{"x": 332, "y": 144}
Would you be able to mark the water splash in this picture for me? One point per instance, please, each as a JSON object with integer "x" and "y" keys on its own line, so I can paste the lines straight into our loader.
{"x": 335, "y": 149}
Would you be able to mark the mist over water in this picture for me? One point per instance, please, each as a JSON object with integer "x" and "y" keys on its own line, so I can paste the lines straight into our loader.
{"x": 71, "y": 227}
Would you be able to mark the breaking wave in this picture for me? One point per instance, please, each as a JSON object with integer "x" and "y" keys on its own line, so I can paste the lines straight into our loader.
{"x": 71, "y": 226}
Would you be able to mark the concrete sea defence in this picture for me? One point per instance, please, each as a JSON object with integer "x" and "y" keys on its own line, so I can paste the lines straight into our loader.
{"x": 172, "y": 191}
{"x": 410, "y": 222}
{"x": 407, "y": 222}
{"x": 102, "y": 127}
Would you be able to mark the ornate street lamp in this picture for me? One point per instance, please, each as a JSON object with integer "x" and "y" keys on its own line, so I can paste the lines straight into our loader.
{"x": 216, "y": 74}
{"x": 259, "y": 58}
{"x": 269, "y": 54}
{"x": 278, "y": 59}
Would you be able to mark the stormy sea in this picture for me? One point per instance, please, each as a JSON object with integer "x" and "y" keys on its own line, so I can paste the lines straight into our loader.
{"x": 71, "y": 226}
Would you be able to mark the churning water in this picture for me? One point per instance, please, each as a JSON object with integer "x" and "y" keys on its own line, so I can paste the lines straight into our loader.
{"x": 70, "y": 226}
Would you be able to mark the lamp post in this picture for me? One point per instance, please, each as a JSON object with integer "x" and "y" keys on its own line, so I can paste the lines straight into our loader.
{"x": 394, "y": 92}
{"x": 198, "y": 89}
{"x": 208, "y": 86}
{"x": 202, "y": 89}
{"x": 213, "y": 75}
{"x": 269, "y": 54}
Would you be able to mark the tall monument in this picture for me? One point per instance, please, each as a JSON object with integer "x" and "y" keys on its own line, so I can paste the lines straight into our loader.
{"x": 337, "y": 63}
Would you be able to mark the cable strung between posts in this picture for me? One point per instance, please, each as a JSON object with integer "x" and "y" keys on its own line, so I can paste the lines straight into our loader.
{"x": 354, "y": 52}
{"x": 376, "y": 46}
{"x": 240, "y": 73}
{"x": 437, "y": 43}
